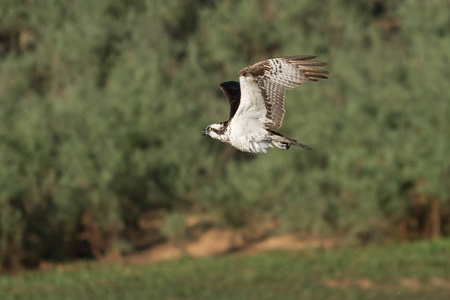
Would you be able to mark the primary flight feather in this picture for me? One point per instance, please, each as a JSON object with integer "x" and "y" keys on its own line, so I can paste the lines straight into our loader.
{"x": 257, "y": 103}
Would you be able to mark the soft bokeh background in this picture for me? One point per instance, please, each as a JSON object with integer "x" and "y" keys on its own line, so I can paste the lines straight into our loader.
{"x": 102, "y": 104}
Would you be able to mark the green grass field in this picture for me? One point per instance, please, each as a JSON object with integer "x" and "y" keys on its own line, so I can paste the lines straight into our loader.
{"x": 409, "y": 271}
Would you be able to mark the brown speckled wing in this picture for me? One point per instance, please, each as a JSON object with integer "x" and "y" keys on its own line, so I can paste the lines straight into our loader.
{"x": 275, "y": 76}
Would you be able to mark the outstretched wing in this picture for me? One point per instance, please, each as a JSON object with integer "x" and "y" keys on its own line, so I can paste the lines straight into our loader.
{"x": 264, "y": 84}
{"x": 232, "y": 91}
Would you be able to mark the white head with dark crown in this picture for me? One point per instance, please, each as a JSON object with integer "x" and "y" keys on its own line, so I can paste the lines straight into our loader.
{"x": 217, "y": 131}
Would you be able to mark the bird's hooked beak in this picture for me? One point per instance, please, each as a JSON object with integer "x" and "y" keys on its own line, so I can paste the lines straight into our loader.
{"x": 205, "y": 132}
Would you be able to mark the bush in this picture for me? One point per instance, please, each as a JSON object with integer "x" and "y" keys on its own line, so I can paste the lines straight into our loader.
{"x": 102, "y": 104}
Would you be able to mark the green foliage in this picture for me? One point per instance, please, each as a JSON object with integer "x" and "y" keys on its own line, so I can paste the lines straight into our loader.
{"x": 102, "y": 104}
{"x": 410, "y": 271}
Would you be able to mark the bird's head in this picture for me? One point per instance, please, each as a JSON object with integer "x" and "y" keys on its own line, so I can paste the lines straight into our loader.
{"x": 216, "y": 131}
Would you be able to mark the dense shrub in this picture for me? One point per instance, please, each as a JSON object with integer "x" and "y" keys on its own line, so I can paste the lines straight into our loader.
{"x": 102, "y": 104}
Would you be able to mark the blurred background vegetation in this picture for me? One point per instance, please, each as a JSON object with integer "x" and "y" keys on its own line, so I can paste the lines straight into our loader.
{"x": 102, "y": 104}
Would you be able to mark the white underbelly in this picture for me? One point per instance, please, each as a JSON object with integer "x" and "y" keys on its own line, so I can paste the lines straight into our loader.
{"x": 248, "y": 132}
{"x": 250, "y": 136}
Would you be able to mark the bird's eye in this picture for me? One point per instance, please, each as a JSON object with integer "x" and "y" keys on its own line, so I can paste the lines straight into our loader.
{"x": 209, "y": 128}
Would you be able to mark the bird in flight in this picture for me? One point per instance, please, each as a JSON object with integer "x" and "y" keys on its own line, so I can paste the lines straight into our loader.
{"x": 257, "y": 103}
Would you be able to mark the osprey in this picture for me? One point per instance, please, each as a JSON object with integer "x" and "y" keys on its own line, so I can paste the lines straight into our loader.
{"x": 257, "y": 103}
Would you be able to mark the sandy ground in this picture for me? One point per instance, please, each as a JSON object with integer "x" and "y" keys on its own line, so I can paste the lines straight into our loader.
{"x": 219, "y": 242}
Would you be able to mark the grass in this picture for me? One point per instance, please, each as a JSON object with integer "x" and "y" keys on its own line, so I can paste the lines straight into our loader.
{"x": 419, "y": 270}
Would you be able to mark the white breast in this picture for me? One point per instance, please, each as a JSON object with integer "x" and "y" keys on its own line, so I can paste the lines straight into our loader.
{"x": 247, "y": 131}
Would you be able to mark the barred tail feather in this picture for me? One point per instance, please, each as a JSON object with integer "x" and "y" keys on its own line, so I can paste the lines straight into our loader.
{"x": 284, "y": 143}
{"x": 295, "y": 143}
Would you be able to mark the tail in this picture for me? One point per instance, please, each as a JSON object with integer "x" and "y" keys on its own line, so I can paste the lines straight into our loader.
{"x": 282, "y": 142}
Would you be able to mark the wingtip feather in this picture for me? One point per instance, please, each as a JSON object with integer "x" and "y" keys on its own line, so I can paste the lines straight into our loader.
{"x": 299, "y": 57}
